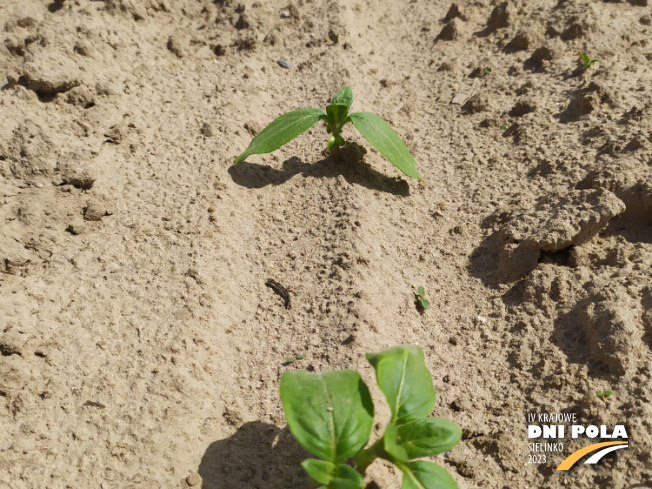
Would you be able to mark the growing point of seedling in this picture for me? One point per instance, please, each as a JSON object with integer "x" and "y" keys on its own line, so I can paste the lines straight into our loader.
{"x": 374, "y": 129}
{"x": 586, "y": 60}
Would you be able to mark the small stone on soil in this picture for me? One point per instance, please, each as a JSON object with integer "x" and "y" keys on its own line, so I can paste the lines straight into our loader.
{"x": 194, "y": 479}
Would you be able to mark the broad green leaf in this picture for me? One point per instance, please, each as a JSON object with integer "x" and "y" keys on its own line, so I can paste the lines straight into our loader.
{"x": 405, "y": 381}
{"x": 346, "y": 477}
{"x": 425, "y": 304}
{"x": 425, "y": 475}
{"x": 320, "y": 470}
{"x": 344, "y": 96}
{"x": 336, "y": 113}
{"x": 330, "y": 414}
{"x": 386, "y": 141}
{"x": 421, "y": 292}
{"x": 281, "y": 131}
{"x": 428, "y": 436}
{"x": 390, "y": 443}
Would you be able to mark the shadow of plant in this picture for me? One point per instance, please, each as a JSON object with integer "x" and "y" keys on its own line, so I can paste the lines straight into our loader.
{"x": 253, "y": 175}
{"x": 257, "y": 456}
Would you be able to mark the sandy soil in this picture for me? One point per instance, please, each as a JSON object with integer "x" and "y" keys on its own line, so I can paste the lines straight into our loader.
{"x": 140, "y": 346}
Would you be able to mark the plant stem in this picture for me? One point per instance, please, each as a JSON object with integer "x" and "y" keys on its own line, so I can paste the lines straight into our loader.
{"x": 365, "y": 458}
{"x": 336, "y": 152}
{"x": 336, "y": 149}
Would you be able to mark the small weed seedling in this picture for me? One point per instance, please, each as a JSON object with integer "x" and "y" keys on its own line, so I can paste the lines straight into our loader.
{"x": 586, "y": 60}
{"x": 331, "y": 414}
{"x": 421, "y": 297}
{"x": 293, "y": 359}
{"x": 375, "y": 130}
{"x": 604, "y": 395}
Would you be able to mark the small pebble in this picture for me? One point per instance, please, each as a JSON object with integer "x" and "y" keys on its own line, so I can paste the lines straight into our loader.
{"x": 207, "y": 130}
{"x": 481, "y": 319}
{"x": 194, "y": 479}
{"x": 76, "y": 228}
{"x": 283, "y": 64}
{"x": 624, "y": 271}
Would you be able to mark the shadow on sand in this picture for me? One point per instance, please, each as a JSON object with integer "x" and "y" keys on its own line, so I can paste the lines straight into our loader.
{"x": 257, "y": 456}
{"x": 253, "y": 175}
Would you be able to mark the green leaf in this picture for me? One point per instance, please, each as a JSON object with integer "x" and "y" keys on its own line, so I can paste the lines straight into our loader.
{"x": 343, "y": 96}
{"x": 386, "y": 141}
{"x": 391, "y": 445}
{"x": 421, "y": 292}
{"x": 428, "y": 436}
{"x": 330, "y": 414}
{"x": 281, "y": 131}
{"x": 320, "y": 470}
{"x": 346, "y": 477}
{"x": 405, "y": 381}
{"x": 336, "y": 113}
{"x": 425, "y": 304}
{"x": 425, "y": 475}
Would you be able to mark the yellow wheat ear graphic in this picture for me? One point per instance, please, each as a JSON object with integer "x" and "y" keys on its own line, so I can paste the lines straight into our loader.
{"x": 603, "y": 449}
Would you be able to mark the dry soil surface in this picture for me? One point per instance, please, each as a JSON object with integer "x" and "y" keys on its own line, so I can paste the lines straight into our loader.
{"x": 140, "y": 346}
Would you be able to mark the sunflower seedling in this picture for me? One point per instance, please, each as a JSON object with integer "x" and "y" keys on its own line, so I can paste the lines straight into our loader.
{"x": 604, "y": 395}
{"x": 331, "y": 414}
{"x": 586, "y": 60}
{"x": 374, "y": 129}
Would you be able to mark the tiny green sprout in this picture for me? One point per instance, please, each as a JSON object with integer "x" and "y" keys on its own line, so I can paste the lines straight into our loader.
{"x": 487, "y": 71}
{"x": 503, "y": 127}
{"x": 586, "y": 60}
{"x": 294, "y": 358}
{"x": 374, "y": 129}
{"x": 603, "y": 395}
{"x": 334, "y": 36}
{"x": 421, "y": 297}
